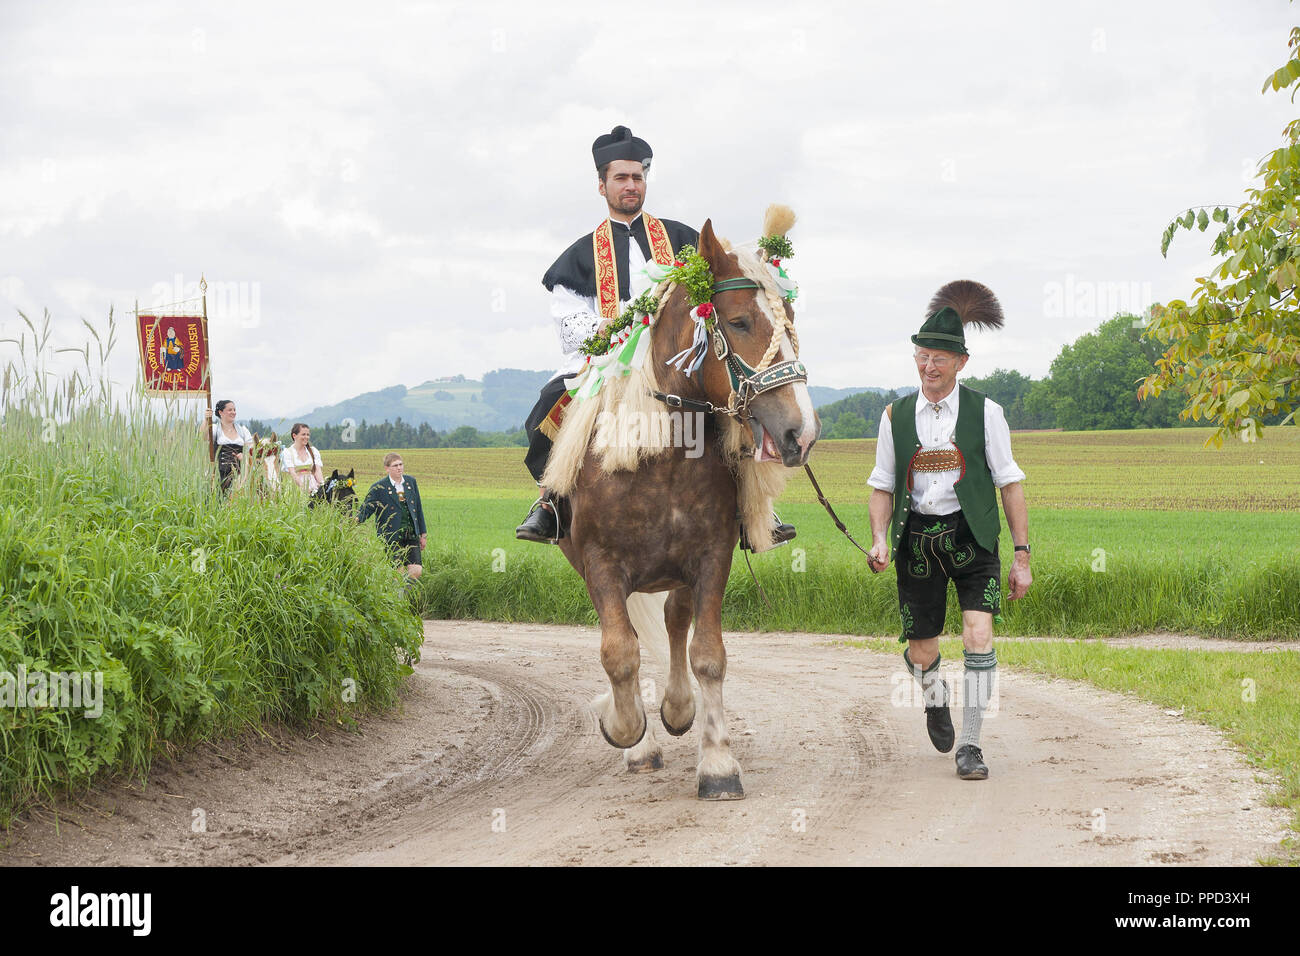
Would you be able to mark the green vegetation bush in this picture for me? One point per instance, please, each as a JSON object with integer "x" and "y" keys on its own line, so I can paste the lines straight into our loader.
{"x": 205, "y": 616}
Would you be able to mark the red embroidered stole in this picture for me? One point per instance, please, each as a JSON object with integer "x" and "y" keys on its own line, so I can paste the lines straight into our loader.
{"x": 602, "y": 242}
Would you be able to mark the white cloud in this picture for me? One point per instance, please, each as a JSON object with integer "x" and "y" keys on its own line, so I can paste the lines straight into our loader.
{"x": 393, "y": 182}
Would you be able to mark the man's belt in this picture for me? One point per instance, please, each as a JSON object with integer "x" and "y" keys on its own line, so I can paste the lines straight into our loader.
{"x": 936, "y": 459}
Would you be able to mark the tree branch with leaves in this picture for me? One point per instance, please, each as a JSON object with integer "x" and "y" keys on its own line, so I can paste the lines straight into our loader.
{"x": 1234, "y": 348}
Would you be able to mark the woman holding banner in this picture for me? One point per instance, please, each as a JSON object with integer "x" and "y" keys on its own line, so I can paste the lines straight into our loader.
{"x": 231, "y": 440}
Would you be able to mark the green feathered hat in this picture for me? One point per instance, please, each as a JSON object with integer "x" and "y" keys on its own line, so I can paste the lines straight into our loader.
{"x": 958, "y": 304}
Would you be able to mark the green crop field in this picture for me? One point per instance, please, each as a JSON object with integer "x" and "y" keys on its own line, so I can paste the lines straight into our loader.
{"x": 1133, "y": 531}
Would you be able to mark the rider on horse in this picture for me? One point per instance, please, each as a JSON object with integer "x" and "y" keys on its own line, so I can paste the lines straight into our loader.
{"x": 590, "y": 285}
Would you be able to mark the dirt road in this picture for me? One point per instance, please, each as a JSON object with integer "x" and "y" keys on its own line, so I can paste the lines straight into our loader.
{"x": 496, "y": 760}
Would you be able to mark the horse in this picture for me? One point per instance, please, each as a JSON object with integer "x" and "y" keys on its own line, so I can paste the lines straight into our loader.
{"x": 336, "y": 490}
{"x": 652, "y": 521}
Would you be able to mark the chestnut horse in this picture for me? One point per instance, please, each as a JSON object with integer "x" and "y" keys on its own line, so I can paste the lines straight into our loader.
{"x": 652, "y": 533}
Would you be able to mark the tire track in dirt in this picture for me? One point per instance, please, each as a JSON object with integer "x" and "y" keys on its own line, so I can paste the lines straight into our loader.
{"x": 495, "y": 729}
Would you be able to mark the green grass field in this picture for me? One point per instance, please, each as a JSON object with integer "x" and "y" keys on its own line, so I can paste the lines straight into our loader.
{"x": 1132, "y": 532}
{"x": 1150, "y": 469}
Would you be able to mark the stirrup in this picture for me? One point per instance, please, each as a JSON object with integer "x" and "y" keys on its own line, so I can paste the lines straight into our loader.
{"x": 539, "y": 534}
{"x": 781, "y": 533}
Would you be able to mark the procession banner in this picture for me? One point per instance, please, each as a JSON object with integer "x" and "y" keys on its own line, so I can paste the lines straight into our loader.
{"x": 173, "y": 354}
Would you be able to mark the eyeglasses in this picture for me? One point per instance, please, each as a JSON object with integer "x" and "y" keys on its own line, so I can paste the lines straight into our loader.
{"x": 938, "y": 361}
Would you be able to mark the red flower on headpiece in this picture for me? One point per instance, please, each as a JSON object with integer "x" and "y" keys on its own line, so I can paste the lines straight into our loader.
{"x": 777, "y": 263}
{"x": 678, "y": 264}
{"x": 704, "y": 310}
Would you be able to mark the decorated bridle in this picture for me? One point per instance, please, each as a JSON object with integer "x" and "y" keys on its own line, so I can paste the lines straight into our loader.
{"x": 624, "y": 345}
{"x": 747, "y": 382}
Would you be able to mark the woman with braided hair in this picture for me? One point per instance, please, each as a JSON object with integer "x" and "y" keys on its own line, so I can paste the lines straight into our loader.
{"x": 302, "y": 461}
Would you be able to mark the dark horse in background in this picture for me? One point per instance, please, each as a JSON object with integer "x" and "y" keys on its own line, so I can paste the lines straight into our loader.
{"x": 336, "y": 490}
{"x": 654, "y": 543}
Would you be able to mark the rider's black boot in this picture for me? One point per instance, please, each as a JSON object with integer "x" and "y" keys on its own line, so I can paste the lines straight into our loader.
{"x": 541, "y": 524}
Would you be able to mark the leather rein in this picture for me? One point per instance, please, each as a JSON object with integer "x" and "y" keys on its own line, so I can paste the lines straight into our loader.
{"x": 747, "y": 383}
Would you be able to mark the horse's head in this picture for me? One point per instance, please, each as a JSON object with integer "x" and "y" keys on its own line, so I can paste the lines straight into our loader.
{"x": 753, "y": 353}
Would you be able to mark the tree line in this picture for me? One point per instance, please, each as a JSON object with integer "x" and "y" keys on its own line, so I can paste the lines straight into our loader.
{"x": 400, "y": 434}
{"x": 1092, "y": 384}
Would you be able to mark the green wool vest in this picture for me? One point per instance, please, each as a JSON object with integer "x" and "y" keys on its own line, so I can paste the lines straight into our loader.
{"x": 974, "y": 490}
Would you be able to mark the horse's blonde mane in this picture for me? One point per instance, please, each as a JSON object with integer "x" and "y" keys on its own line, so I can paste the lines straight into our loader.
{"x": 626, "y": 400}
{"x": 622, "y": 400}
{"x": 758, "y": 483}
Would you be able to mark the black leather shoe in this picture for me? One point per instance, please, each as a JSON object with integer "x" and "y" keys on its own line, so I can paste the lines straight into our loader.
{"x": 970, "y": 763}
{"x": 781, "y": 533}
{"x": 539, "y": 526}
{"x": 939, "y": 723}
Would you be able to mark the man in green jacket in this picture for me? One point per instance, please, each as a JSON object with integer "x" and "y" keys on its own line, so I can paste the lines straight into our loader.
{"x": 939, "y": 457}
{"x": 399, "y": 514}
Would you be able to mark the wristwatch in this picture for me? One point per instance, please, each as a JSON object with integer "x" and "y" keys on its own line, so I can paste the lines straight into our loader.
{"x": 1022, "y": 547}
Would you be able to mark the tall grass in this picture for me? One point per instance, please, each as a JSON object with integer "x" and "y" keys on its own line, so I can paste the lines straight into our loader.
{"x": 205, "y": 616}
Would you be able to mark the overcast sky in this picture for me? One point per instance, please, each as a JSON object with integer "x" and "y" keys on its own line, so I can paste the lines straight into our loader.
{"x": 375, "y": 189}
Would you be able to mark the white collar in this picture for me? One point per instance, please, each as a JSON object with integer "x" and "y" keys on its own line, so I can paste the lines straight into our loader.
{"x": 398, "y": 484}
{"x": 949, "y": 400}
{"x": 628, "y": 224}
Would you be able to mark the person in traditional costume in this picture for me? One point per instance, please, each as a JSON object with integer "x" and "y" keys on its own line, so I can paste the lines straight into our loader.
{"x": 301, "y": 461}
{"x": 399, "y": 514}
{"x": 940, "y": 455}
{"x": 591, "y": 284}
{"x": 230, "y": 440}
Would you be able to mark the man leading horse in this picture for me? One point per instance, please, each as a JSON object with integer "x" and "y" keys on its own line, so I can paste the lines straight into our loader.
{"x": 940, "y": 455}
{"x": 591, "y": 284}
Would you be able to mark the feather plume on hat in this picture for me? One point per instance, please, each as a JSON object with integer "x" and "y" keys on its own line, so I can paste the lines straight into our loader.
{"x": 973, "y": 301}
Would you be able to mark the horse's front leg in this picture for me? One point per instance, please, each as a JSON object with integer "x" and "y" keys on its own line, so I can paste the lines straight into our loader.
{"x": 677, "y": 709}
{"x": 718, "y": 773}
{"x": 620, "y": 712}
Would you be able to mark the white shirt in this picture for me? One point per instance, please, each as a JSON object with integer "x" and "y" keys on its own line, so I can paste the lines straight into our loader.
{"x": 290, "y": 462}
{"x": 245, "y": 436}
{"x": 933, "y": 492}
{"x": 577, "y": 317}
{"x": 398, "y": 486}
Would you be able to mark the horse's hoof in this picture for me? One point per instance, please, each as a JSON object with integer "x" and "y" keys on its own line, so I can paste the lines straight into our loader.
{"x": 646, "y": 764}
{"x": 675, "y": 731}
{"x": 721, "y": 788}
{"x": 613, "y": 743}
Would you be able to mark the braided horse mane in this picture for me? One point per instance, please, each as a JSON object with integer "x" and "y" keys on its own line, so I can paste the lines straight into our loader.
{"x": 627, "y": 398}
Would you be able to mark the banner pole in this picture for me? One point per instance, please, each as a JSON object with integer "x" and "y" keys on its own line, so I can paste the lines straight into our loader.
{"x": 207, "y": 372}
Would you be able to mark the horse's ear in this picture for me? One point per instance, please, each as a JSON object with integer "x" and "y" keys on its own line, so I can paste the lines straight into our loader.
{"x": 710, "y": 248}
{"x": 352, "y": 472}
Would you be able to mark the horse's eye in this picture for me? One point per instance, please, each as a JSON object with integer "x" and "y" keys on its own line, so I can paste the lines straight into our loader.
{"x": 740, "y": 323}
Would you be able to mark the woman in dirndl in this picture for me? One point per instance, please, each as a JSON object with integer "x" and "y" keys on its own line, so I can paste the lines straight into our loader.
{"x": 303, "y": 462}
{"x": 231, "y": 440}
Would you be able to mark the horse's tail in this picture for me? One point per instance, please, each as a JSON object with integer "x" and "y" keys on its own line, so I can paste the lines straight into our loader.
{"x": 647, "y": 613}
